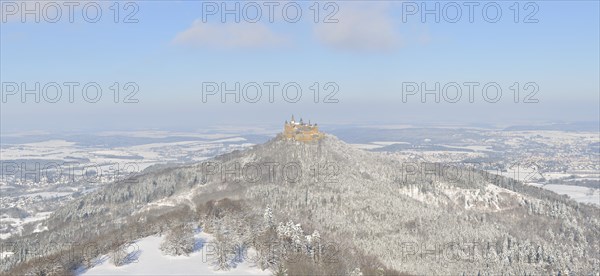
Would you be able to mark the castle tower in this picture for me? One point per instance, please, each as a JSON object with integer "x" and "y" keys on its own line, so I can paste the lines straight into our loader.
{"x": 301, "y": 132}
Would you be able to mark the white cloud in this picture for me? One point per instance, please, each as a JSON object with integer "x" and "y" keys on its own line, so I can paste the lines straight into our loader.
{"x": 361, "y": 27}
{"x": 240, "y": 35}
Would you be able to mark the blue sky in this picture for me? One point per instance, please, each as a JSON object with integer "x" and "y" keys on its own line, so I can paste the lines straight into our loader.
{"x": 369, "y": 54}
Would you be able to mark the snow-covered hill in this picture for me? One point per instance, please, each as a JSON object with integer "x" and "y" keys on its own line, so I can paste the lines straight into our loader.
{"x": 370, "y": 208}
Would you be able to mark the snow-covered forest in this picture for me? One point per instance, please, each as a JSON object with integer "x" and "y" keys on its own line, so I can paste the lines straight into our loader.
{"x": 323, "y": 208}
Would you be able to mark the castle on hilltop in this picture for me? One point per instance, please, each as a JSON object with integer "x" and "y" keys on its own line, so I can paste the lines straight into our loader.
{"x": 300, "y": 131}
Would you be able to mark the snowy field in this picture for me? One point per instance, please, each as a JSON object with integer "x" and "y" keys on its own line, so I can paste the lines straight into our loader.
{"x": 151, "y": 261}
{"x": 577, "y": 193}
{"x": 142, "y": 155}
{"x": 18, "y": 223}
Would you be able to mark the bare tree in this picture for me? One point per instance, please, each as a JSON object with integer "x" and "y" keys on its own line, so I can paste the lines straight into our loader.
{"x": 179, "y": 241}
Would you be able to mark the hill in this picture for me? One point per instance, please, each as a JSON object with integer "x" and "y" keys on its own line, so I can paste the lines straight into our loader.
{"x": 374, "y": 213}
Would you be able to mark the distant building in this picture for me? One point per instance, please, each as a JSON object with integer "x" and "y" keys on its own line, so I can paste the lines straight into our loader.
{"x": 300, "y": 131}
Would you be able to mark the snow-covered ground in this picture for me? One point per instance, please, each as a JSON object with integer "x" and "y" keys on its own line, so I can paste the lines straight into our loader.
{"x": 151, "y": 261}
{"x": 143, "y": 155}
{"x": 18, "y": 223}
{"x": 366, "y": 146}
{"x": 390, "y": 143}
{"x": 529, "y": 175}
{"x": 577, "y": 193}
